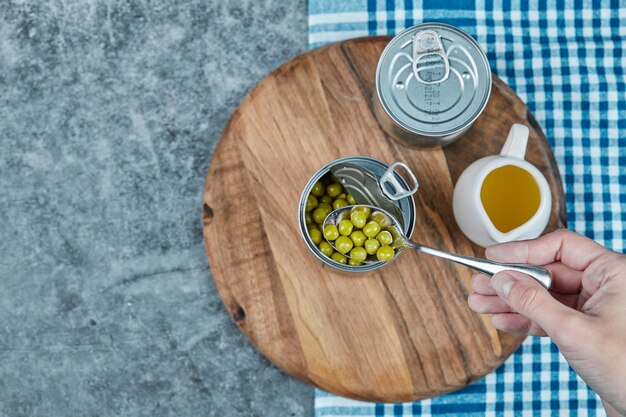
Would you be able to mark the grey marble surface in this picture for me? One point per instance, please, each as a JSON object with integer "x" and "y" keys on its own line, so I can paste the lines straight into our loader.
{"x": 109, "y": 112}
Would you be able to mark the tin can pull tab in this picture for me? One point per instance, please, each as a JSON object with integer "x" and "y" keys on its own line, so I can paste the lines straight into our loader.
{"x": 428, "y": 55}
{"x": 390, "y": 185}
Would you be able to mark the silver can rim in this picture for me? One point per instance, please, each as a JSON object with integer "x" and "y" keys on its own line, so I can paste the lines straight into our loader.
{"x": 469, "y": 121}
{"x": 302, "y": 221}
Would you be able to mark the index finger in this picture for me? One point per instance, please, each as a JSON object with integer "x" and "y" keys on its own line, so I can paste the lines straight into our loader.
{"x": 574, "y": 250}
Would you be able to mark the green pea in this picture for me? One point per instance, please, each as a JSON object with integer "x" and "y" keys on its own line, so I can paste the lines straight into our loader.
{"x": 384, "y": 238}
{"x": 358, "y": 238}
{"x": 354, "y": 262}
{"x": 311, "y": 202}
{"x": 371, "y": 229}
{"x": 358, "y": 254}
{"x": 337, "y": 257}
{"x": 371, "y": 246}
{"x": 351, "y": 199}
{"x": 319, "y": 214}
{"x": 339, "y": 203}
{"x": 325, "y": 248}
{"x": 316, "y": 235}
{"x": 345, "y": 227}
{"x": 334, "y": 190}
{"x": 385, "y": 253}
{"x": 382, "y": 220}
{"x": 359, "y": 219}
{"x": 364, "y": 209}
{"x": 308, "y": 218}
{"x": 318, "y": 189}
{"x": 331, "y": 232}
{"x": 343, "y": 244}
{"x": 342, "y": 196}
{"x": 327, "y": 206}
{"x": 326, "y": 199}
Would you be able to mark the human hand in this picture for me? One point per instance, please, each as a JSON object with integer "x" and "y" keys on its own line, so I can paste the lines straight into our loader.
{"x": 584, "y": 312}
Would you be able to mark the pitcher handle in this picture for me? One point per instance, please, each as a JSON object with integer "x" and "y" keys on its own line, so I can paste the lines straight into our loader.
{"x": 515, "y": 145}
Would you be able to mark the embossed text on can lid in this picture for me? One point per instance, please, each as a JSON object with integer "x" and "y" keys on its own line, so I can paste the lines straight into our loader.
{"x": 433, "y": 79}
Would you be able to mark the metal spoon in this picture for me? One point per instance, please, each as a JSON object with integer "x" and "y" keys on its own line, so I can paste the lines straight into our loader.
{"x": 401, "y": 242}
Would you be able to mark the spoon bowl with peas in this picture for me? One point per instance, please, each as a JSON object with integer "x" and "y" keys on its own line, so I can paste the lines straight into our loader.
{"x": 367, "y": 234}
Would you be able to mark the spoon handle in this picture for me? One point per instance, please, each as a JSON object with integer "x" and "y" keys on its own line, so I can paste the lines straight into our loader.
{"x": 488, "y": 267}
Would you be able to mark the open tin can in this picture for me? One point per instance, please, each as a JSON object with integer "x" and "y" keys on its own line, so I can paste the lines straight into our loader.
{"x": 432, "y": 82}
{"x": 392, "y": 185}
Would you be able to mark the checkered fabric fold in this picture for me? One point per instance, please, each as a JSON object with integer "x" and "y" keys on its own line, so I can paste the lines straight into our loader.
{"x": 565, "y": 59}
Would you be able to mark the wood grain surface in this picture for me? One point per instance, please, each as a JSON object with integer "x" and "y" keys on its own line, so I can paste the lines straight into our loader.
{"x": 400, "y": 334}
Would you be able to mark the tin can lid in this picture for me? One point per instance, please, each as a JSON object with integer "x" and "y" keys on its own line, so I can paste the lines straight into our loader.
{"x": 433, "y": 79}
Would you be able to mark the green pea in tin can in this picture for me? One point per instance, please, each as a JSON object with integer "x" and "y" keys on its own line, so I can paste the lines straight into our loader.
{"x": 432, "y": 82}
{"x": 397, "y": 198}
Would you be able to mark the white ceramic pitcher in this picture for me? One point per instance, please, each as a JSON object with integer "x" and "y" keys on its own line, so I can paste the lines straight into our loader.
{"x": 467, "y": 205}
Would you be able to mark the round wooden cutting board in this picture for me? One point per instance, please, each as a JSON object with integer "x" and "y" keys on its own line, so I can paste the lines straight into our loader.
{"x": 400, "y": 334}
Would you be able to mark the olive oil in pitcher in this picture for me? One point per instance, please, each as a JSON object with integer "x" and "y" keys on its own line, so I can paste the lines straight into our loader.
{"x": 510, "y": 197}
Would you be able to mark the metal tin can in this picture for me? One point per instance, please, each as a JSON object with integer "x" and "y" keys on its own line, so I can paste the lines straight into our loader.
{"x": 432, "y": 82}
{"x": 378, "y": 168}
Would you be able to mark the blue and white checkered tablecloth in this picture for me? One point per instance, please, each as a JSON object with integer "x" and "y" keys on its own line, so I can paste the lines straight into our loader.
{"x": 566, "y": 60}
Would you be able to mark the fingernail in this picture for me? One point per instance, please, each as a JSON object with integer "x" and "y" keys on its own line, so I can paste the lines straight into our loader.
{"x": 494, "y": 251}
{"x": 501, "y": 251}
{"x": 502, "y": 283}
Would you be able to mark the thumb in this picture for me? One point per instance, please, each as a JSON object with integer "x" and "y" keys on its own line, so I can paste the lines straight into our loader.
{"x": 527, "y": 297}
